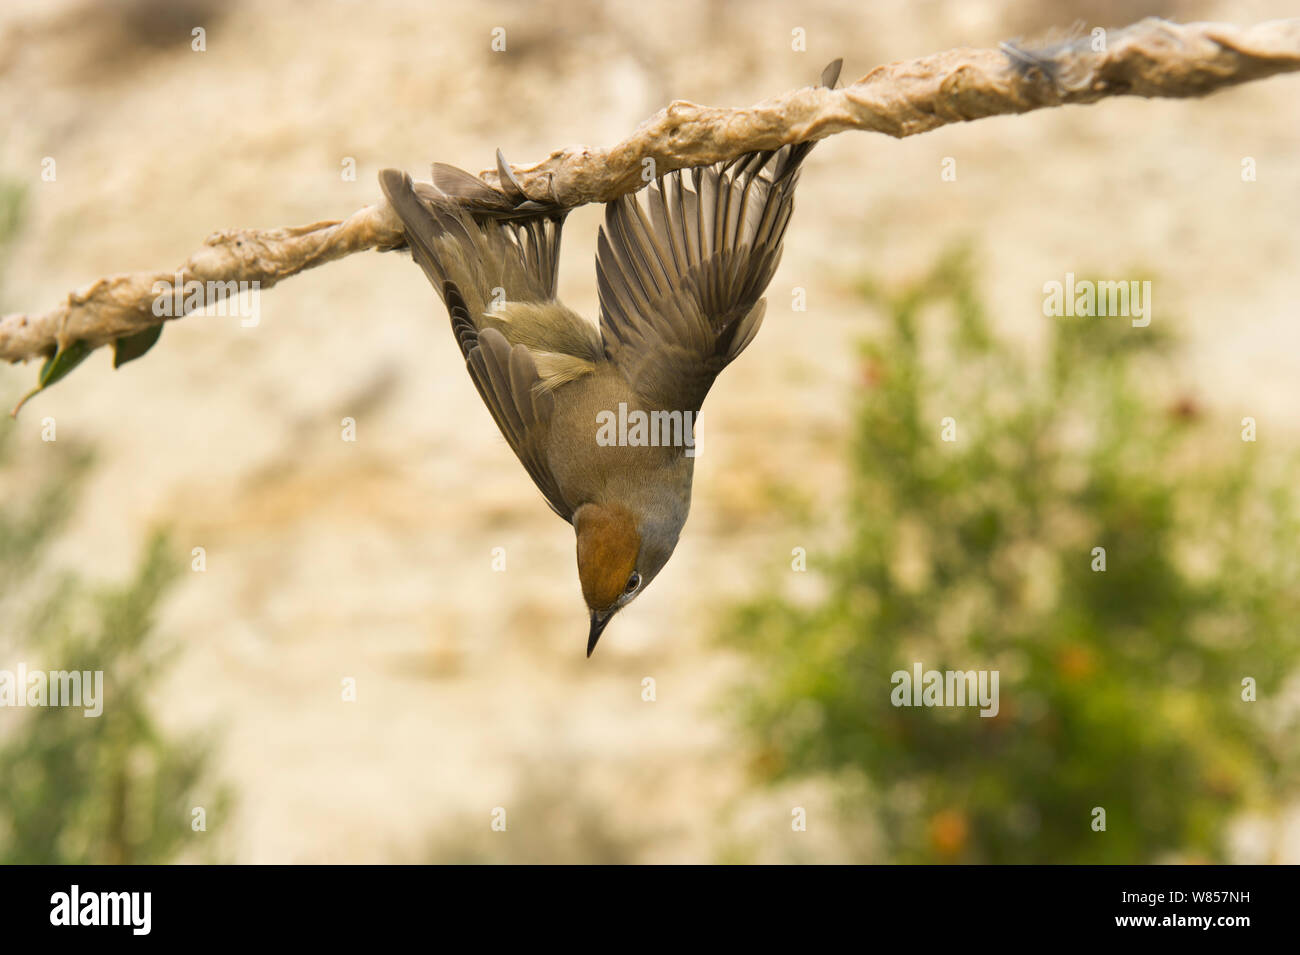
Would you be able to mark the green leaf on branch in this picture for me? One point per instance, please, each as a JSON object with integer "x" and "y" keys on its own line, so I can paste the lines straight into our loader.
{"x": 130, "y": 347}
{"x": 55, "y": 368}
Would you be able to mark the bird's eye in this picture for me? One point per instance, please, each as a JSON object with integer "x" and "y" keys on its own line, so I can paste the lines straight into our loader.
{"x": 633, "y": 582}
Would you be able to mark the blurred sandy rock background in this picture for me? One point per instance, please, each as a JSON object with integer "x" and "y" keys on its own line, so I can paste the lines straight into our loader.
{"x": 372, "y": 560}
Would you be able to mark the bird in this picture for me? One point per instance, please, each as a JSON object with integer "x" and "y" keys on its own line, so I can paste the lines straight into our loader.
{"x": 682, "y": 266}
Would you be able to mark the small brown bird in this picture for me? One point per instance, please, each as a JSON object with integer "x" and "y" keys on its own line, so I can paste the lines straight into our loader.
{"x": 602, "y": 418}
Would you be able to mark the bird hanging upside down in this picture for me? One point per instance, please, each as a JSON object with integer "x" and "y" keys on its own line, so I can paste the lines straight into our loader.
{"x": 681, "y": 266}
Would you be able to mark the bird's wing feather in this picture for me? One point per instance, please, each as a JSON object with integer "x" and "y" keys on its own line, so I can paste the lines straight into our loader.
{"x": 682, "y": 267}
{"x": 467, "y": 257}
{"x": 506, "y": 378}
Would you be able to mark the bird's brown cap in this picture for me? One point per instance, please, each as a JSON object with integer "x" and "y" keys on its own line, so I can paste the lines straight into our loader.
{"x": 608, "y": 544}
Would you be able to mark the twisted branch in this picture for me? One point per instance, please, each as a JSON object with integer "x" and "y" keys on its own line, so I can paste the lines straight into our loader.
{"x": 1153, "y": 58}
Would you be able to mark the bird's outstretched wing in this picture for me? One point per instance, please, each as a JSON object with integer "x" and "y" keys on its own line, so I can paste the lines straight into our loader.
{"x": 682, "y": 267}
{"x": 506, "y": 378}
{"x": 477, "y": 257}
{"x": 489, "y": 255}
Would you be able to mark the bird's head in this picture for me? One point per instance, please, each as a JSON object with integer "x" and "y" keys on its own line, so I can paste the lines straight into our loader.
{"x": 618, "y": 555}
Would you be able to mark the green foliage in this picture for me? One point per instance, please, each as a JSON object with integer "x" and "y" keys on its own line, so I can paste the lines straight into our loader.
{"x": 78, "y": 789}
{"x": 55, "y": 368}
{"x": 113, "y": 788}
{"x": 130, "y": 347}
{"x": 1119, "y": 689}
{"x": 13, "y": 206}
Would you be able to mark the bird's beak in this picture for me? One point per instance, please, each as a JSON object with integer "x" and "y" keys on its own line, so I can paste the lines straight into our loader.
{"x": 598, "y": 623}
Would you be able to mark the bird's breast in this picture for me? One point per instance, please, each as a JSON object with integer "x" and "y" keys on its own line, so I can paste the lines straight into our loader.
{"x": 605, "y": 443}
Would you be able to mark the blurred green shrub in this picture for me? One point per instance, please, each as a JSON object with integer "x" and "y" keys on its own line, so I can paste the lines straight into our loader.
{"x": 1119, "y": 689}
{"x": 109, "y": 789}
